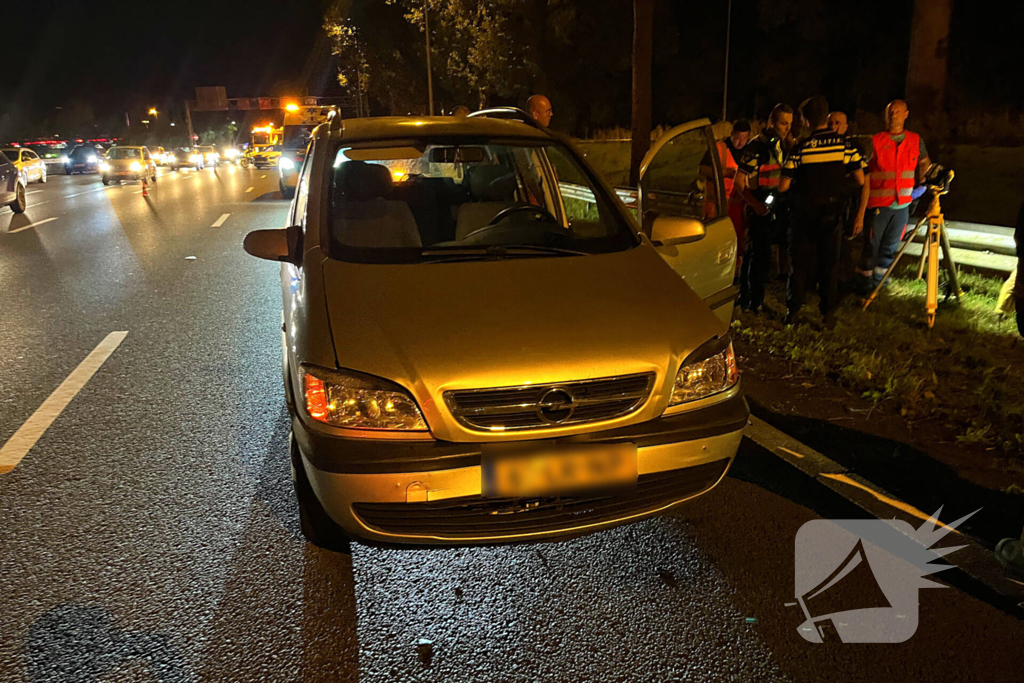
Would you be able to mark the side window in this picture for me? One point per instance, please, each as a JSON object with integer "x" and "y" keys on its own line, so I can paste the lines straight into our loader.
{"x": 28, "y": 155}
{"x": 302, "y": 190}
{"x": 681, "y": 178}
{"x": 145, "y": 154}
{"x": 3, "y": 159}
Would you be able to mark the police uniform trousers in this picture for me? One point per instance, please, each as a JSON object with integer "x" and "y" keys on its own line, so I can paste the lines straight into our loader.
{"x": 815, "y": 239}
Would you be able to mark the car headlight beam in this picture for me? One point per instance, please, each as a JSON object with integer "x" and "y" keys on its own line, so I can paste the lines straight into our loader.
{"x": 135, "y": 166}
{"x": 286, "y": 164}
{"x": 709, "y": 370}
{"x": 342, "y": 398}
{"x": 104, "y": 167}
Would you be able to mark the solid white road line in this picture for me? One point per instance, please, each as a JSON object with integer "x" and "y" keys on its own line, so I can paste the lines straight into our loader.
{"x": 28, "y": 434}
{"x": 30, "y": 225}
{"x": 249, "y": 190}
{"x": 33, "y": 192}
{"x": 220, "y": 221}
{"x": 973, "y": 559}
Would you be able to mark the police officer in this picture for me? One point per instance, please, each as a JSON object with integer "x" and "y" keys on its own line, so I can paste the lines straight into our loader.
{"x": 820, "y": 171}
{"x": 757, "y": 182}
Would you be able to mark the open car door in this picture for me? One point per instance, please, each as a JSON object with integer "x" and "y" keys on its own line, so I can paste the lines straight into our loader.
{"x": 681, "y": 205}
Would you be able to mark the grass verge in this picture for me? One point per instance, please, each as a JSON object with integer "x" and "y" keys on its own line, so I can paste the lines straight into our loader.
{"x": 965, "y": 372}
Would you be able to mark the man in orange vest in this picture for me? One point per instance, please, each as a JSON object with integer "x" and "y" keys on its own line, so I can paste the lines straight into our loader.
{"x": 898, "y": 163}
{"x": 729, "y": 151}
{"x": 757, "y": 182}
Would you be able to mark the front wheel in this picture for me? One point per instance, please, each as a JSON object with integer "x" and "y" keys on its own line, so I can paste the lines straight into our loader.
{"x": 19, "y": 204}
{"x": 286, "y": 192}
{"x": 317, "y": 526}
{"x": 105, "y": 181}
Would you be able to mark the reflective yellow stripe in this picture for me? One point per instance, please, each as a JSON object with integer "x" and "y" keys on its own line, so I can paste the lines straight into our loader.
{"x": 884, "y": 175}
{"x": 908, "y": 174}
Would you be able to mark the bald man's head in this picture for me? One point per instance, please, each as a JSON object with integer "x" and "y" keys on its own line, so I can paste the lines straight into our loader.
{"x": 837, "y": 122}
{"x": 539, "y": 107}
{"x": 895, "y": 116}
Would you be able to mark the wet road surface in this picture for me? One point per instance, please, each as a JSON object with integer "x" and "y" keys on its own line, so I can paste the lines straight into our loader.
{"x": 151, "y": 534}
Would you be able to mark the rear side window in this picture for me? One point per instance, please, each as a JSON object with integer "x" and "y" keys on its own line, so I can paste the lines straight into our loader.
{"x": 4, "y": 159}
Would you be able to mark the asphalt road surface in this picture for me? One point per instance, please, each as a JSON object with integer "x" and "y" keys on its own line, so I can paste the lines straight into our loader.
{"x": 150, "y": 534}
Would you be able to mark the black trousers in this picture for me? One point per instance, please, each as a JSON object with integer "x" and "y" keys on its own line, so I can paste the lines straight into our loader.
{"x": 815, "y": 238}
{"x": 757, "y": 259}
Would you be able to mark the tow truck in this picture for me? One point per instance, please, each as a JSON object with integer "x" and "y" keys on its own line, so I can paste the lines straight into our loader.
{"x": 264, "y": 148}
{"x": 299, "y": 122}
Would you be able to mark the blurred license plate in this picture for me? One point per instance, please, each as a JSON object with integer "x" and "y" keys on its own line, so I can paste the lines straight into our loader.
{"x": 558, "y": 470}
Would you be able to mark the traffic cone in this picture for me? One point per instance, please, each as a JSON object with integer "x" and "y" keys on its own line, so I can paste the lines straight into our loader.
{"x": 144, "y": 192}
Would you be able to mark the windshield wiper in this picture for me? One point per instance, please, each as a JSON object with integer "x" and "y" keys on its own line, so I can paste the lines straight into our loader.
{"x": 494, "y": 251}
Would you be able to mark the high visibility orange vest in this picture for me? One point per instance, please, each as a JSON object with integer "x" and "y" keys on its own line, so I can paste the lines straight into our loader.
{"x": 893, "y": 169}
{"x": 727, "y": 162}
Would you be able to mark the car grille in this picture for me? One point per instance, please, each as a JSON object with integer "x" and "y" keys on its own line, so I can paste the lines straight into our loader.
{"x": 478, "y": 517}
{"x": 549, "y": 405}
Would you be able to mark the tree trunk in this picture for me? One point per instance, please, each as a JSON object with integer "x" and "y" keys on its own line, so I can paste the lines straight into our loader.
{"x": 929, "y": 51}
{"x": 643, "y": 27}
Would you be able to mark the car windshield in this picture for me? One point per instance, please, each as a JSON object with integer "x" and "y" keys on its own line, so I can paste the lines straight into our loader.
{"x": 297, "y": 137}
{"x": 83, "y": 151}
{"x": 207, "y": 150}
{"x": 468, "y": 199}
{"x": 124, "y": 153}
{"x": 10, "y": 153}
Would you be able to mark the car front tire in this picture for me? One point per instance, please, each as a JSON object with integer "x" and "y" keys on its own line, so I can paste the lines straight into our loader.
{"x": 317, "y": 526}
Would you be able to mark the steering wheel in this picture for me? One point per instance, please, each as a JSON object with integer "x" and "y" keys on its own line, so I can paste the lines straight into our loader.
{"x": 538, "y": 211}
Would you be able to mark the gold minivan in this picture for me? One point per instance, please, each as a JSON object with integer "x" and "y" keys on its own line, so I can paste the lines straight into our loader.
{"x": 482, "y": 346}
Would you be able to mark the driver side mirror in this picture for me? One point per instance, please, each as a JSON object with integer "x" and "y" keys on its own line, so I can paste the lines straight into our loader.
{"x": 279, "y": 244}
{"x": 667, "y": 231}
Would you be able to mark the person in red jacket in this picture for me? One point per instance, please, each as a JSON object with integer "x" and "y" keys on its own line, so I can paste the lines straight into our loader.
{"x": 898, "y": 163}
{"x": 729, "y": 151}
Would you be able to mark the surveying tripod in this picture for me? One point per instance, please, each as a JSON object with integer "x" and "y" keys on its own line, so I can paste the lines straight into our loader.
{"x": 934, "y": 238}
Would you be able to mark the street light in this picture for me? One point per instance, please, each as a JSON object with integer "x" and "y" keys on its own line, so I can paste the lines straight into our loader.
{"x": 153, "y": 112}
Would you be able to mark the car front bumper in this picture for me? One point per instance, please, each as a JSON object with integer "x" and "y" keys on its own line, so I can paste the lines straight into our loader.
{"x": 429, "y": 493}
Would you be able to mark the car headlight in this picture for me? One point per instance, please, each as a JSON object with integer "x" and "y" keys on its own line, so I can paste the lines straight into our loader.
{"x": 104, "y": 167}
{"x": 135, "y": 166}
{"x": 64, "y": 160}
{"x": 709, "y": 370}
{"x": 357, "y": 401}
{"x": 91, "y": 159}
{"x": 231, "y": 153}
{"x": 286, "y": 164}
{"x": 195, "y": 158}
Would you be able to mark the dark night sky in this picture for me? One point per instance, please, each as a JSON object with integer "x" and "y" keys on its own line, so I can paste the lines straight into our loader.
{"x": 118, "y": 56}
{"x": 115, "y": 56}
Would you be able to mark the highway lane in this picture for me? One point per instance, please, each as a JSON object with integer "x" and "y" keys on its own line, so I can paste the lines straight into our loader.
{"x": 150, "y": 534}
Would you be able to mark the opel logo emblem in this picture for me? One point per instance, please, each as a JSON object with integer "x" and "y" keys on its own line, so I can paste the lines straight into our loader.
{"x": 555, "y": 406}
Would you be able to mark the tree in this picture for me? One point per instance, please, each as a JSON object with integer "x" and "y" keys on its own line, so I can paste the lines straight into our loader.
{"x": 643, "y": 29}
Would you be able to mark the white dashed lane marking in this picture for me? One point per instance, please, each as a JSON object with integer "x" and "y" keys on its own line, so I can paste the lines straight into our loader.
{"x": 28, "y": 434}
{"x": 220, "y": 221}
{"x": 250, "y": 189}
{"x": 31, "y": 225}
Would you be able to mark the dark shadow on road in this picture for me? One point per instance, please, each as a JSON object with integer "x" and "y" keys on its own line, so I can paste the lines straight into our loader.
{"x": 270, "y": 196}
{"x": 274, "y": 486}
{"x": 909, "y": 474}
{"x": 81, "y": 643}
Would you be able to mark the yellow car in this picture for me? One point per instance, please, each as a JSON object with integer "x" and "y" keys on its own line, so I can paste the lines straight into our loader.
{"x": 28, "y": 163}
{"x": 127, "y": 163}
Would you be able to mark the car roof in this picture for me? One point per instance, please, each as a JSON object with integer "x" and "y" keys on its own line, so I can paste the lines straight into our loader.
{"x": 404, "y": 127}
{"x": 127, "y": 146}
